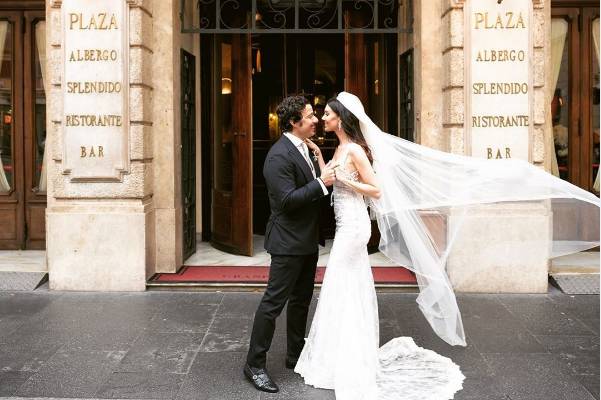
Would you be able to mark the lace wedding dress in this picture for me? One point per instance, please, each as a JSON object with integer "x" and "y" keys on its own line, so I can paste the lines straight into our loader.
{"x": 342, "y": 351}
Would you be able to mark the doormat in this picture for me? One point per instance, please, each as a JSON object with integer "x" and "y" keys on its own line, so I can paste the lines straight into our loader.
{"x": 577, "y": 283}
{"x": 236, "y": 274}
{"x": 21, "y": 280}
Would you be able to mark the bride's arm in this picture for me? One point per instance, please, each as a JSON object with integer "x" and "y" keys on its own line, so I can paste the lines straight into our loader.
{"x": 317, "y": 152}
{"x": 368, "y": 185}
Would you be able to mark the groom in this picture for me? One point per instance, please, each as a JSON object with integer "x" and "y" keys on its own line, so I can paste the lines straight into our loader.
{"x": 295, "y": 185}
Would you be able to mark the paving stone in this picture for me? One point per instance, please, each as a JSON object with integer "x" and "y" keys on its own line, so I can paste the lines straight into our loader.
{"x": 27, "y": 351}
{"x": 579, "y": 353}
{"x": 105, "y": 340}
{"x": 591, "y": 383}
{"x": 71, "y": 374}
{"x": 162, "y": 353}
{"x": 585, "y": 308}
{"x": 505, "y": 333}
{"x": 206, "y": 298}
{"x": 542, "y": 316}
{"x": 24, "y": 304}
{"x": 183, "y": 318}
{"x": 136, "y": 385}
{"x": 241, "y": 305}
{"x": 10, "y": 382}
{"x": 8, "y": 325}
{"x": 228, "y": 334}
{"x": 535, "y": 377}
{"x": 218, "y": 376}
{"x": 519, "y": 346}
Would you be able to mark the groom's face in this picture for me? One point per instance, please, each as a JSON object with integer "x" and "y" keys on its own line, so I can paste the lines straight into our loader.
{"x": 305, "y": 128}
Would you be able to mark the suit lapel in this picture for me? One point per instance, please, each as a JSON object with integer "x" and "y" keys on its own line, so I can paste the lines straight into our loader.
{"x": 298, "y": 158}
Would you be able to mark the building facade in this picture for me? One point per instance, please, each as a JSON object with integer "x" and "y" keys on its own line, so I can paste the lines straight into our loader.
{"x": 131, "y": 128}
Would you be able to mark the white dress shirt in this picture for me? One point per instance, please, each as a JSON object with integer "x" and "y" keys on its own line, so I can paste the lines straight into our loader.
{"x": 303, "y": 149}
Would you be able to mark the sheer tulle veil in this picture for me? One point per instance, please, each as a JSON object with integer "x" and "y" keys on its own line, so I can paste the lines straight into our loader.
{"x": 427, "y": 195}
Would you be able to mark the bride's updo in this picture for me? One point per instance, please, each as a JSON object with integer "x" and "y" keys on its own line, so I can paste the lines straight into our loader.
{"x": 350, "y": 125}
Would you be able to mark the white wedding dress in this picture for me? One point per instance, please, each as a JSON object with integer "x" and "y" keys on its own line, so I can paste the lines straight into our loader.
{"x": 342, "y": 351}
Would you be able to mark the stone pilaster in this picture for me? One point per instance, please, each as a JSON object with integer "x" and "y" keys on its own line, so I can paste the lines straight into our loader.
{"x": 453, "y": 75}
{"x": 480, "y": 261}
{"x": 100, "y": 233}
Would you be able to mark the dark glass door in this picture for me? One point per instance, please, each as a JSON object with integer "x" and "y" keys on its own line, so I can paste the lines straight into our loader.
{"x": 23, "y": 155}
{"x": 283, "y": 65}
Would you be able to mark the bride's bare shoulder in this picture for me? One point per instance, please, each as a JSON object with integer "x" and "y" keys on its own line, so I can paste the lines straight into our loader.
{"x": 356, "y": 150}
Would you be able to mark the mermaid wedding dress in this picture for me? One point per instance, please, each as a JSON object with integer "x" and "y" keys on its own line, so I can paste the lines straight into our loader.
{"x": 342, "y": 350}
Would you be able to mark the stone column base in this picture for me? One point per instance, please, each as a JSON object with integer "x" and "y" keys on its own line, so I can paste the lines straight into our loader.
{"x": 502, "y": 248}
{"x": 99, "y": 247}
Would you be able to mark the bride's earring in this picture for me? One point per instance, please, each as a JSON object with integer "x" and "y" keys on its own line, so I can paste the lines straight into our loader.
{"x": 339, "y": 125}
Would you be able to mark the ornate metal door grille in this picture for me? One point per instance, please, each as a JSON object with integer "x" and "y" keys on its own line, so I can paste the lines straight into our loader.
{"x": 188, "y": 140}
{"x": 294, "y": 16}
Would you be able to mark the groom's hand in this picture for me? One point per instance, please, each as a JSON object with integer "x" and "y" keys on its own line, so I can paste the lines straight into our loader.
{"x": 328, "y": 176}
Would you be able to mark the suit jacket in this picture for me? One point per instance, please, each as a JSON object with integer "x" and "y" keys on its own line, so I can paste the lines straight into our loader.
{"x": 294, "y": 198}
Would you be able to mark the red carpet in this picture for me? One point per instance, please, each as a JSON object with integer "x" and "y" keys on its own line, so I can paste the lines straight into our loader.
{"x": 232, "y": 274}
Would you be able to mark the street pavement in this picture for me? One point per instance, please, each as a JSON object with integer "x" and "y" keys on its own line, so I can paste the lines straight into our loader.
{"x": 192, "y": 345}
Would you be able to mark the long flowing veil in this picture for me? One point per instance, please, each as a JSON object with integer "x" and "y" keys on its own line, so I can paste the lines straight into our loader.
{"x": 427, "y": 194}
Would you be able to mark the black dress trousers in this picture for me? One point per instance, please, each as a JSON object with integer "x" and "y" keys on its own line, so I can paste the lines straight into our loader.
{"x": 291, "y": 279}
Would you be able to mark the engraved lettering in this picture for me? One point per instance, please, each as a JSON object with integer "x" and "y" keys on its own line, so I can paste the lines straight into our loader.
{"x": 498, "y": 154}
{"x": 93, "y": 55}
{"x": 499, "y": 88}
{"x": 99, "y": 21}
{"x": 93, "y": 120}
{"x": 484, "y": 20}
{"x": 499, "y": 121}
{"x": 93, "y": 87}
{"x": 91, "y": 152}
{"x": 500, "y": 55}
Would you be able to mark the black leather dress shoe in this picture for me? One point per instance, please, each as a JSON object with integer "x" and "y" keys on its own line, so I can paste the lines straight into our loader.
{"x": 260, "y": 379}
{"x": 290, "y": 363}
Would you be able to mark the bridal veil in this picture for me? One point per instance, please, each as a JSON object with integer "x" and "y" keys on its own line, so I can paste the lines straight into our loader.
{"x": 426, "y": 192}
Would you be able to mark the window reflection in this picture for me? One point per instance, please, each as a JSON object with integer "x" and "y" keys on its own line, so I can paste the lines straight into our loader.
{"x": 6, "y": 112}
{"x": 560, "y": 75}
{"x": 40, "y": 158}
{"x": 595, "y": 107}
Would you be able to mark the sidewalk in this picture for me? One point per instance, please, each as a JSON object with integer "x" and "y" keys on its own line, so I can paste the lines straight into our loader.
{"x": 192, "y": 345}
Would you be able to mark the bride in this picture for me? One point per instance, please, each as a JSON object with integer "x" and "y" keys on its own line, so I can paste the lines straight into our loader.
{"x": 397, "y": 179}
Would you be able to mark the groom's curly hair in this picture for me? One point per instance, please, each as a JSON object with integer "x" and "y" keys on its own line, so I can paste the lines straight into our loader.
{"x": 291, "y": 109}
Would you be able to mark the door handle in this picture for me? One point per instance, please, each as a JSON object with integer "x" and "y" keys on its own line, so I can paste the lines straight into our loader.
{"x": 239, "y": 133}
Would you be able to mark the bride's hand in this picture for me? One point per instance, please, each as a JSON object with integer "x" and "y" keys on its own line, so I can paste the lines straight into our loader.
{"x": 312, "y": 146}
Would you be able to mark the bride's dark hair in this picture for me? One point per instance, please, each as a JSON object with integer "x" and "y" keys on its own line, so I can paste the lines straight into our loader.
{"x": 350, "y": 125}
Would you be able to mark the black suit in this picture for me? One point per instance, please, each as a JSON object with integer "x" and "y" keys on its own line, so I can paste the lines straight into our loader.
{"x": 291, "y": 237}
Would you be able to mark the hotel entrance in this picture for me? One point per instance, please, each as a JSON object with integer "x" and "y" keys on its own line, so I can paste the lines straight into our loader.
{"x": 243, "y": 78}
{"x": 249, "y": 76}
